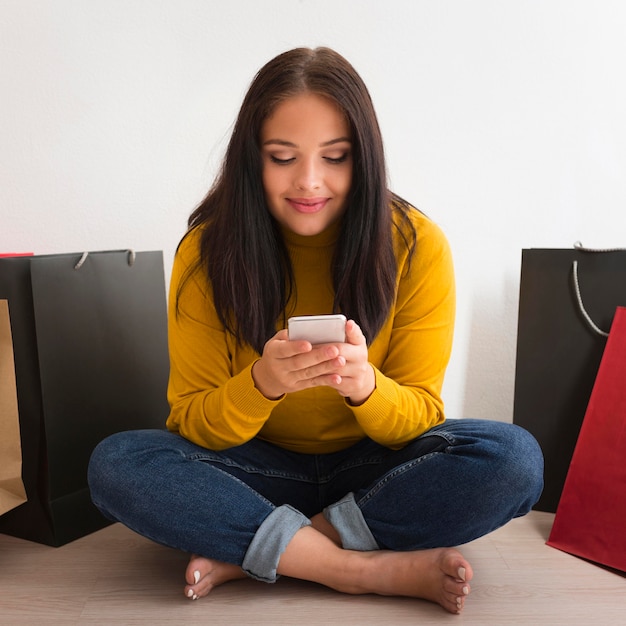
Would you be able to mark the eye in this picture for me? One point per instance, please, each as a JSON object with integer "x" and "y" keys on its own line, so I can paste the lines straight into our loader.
{"x": 337, "y": 160}
{"x": 278, "y": 161}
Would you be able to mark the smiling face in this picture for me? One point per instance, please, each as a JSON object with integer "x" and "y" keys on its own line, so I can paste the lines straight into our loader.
{"x": 307, "y": 163}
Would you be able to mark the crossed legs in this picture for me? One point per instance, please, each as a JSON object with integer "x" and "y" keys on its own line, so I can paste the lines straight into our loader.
{"x": 466, "y": 479}
{"x": 440, "y": 575}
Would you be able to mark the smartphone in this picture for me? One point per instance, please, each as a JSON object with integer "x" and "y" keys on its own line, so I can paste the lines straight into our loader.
{"x": 318, "y": 328}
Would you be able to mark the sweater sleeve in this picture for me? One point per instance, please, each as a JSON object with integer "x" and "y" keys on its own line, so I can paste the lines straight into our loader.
{"x": 411, "y": 353}
{"x": 213, "y": 401}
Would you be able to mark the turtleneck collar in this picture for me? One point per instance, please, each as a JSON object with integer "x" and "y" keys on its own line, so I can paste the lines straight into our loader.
{"x": 324, "y": 239}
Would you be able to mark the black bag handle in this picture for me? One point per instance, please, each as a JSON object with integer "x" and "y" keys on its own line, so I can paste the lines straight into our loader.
{"x": 579, "y": 246}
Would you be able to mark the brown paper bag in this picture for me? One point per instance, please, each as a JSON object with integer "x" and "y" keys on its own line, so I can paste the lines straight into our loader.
{"x": 12, "y": 491}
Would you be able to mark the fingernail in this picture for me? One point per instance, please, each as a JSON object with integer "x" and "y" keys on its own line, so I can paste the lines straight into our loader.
{"x": 465, "y": 591}
{"x": 190, "y": 593}
{"x": 461, "y": 573}
{"x": 196, "y": 577}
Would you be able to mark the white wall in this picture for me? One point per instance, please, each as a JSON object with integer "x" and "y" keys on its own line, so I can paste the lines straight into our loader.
{"x": 504, "y": 121}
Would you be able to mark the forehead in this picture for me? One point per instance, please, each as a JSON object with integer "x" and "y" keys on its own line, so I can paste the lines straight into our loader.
{"x": 306, "y": 115}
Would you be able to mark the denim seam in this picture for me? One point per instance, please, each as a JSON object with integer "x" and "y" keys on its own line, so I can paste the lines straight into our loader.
{"x": 328, "y": 477}
{"x": 250, "y": 489}
{"x": 393, "y": 474}
{"x": 439, "y": 431}
{"x": 249, "y": 469}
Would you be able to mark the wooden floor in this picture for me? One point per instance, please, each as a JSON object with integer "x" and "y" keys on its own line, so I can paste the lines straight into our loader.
{"x": 116, "y": 577}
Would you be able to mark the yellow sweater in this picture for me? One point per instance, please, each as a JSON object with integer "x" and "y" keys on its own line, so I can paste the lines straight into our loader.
{"x": 212, "y": 396}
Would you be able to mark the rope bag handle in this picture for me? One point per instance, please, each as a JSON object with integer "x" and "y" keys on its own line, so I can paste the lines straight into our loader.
{"x": 131, "y": 259}
{"x": 579, "y": 246}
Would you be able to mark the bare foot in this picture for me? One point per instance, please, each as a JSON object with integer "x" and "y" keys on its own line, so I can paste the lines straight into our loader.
{"x": 440, "y": 575}
{"x": 202, "y": 575}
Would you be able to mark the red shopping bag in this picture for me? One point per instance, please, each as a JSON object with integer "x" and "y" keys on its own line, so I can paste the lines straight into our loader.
{"x": 590, "y": 520}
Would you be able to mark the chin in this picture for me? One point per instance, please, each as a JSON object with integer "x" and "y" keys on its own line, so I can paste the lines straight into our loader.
{"x": 308, "y": 230}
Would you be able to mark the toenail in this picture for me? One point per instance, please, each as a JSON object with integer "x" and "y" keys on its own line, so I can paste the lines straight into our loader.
{"x": 465, "y": 591}
{"x": 196, "y": 577}
{"x": 190, "y": 593}
{"x": 461, "y": 573}
{"x": 195, "y": 597}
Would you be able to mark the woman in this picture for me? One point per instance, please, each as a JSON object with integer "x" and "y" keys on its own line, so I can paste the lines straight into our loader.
{"x": 332, "y": 462}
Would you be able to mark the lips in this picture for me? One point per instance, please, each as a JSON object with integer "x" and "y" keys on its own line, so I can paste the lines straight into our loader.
{"x": 308, "y": 205}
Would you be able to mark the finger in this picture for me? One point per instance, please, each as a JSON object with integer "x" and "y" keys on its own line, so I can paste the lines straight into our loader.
{"x": 326, "y": 380}
{"x": 280, "y": 346}
{"x": 320, "y": 362}
{"x": 294, "y": 348}
{"x": 324, "y": 354}
{"x": 282, "y": 335}
{"x": 291, "y": 347}
{"x": 354, "y": 334}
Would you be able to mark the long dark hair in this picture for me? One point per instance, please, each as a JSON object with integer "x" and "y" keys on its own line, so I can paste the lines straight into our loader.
{"x": 241, "y": 249}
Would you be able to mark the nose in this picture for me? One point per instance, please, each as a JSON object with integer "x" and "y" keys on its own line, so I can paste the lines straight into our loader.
{"x": 308, "y": 175}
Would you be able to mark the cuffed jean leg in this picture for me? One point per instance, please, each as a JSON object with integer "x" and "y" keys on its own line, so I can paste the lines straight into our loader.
{"x": 270, "y": 541}
{"x": 347, "y": 519}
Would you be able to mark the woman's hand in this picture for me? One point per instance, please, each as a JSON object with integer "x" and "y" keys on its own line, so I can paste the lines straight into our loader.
{"x": 288, "y": 366}
{"x": 358, "y": 380}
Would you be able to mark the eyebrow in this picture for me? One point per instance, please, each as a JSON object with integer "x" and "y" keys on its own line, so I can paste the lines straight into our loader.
{"x": 290, "y": 144}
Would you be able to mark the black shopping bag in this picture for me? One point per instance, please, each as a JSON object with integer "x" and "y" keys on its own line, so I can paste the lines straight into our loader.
{"x": 567, "y": 302}
{"x": 91, "y": 359}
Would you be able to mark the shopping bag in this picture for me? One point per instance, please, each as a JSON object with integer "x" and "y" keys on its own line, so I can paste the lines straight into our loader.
{"x": 590, "y": 520}
{"x": 567, "y": 302}
{"x": 91, "y": 359}
{"x": 12, "y": 491}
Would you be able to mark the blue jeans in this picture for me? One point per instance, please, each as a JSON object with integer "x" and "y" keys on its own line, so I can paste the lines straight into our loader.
{"x": 456, "y": 482}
